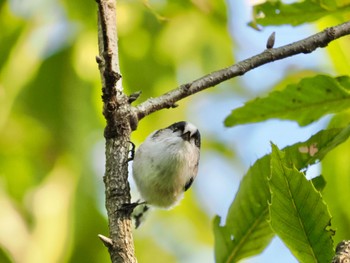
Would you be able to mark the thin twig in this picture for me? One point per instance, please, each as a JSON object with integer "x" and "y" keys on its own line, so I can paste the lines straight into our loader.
{"x": 307, "y": 45}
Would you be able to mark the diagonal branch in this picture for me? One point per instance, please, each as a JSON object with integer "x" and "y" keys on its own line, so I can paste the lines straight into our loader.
{"x": 307, "y": 45}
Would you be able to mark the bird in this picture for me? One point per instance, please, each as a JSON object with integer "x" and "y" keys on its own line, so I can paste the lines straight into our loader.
{"x": 166, "y": 164}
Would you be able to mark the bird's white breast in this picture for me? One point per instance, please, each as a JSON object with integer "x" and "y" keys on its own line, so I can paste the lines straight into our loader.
{"x": 162, "y": 167}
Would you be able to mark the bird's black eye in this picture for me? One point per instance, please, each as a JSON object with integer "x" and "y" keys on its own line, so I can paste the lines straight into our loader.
{"x": 197, "y": 139}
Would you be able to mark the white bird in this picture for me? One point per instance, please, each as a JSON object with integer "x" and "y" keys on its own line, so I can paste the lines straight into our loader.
{"x": 166, "y": 164}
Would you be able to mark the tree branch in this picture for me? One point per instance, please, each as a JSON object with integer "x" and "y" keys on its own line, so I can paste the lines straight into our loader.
{"x": 305, "y": 46}
{"x": 116, "y": 110}
{"x": 342, "y": 253}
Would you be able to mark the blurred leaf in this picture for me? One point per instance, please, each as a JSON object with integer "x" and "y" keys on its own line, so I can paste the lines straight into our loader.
{"x": 5, "y": 257}
{"x": 43, "y": 124}
{"x": 304, "y": 102}
{"x": 2, "y": 2}
{"x": 147, "y": 248}
{"x": 216, "y": 9}
{"x": 330, "y": 4}
{"x": 278, "y": 13}
{"x": 50, "y": 206}
{"x": 83, "y": 11}
{"x": 167, "y": 230}
{"x": 247, "y": 231}
{"x": 166, "y": 53}
{"x": 20, "y": 148}
{"x": 298, "y": 214}
{"x": 336, "y": 170}
{"x": 219, "y": 147}
{"x": 12, "y": 29}
{"x": 338, "y": 51}
{"x": 88, "y": 222}
{"x": 53, "y": 98}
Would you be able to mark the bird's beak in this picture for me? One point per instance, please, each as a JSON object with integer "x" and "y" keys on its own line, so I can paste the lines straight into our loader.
{"x": 186, "y": 136}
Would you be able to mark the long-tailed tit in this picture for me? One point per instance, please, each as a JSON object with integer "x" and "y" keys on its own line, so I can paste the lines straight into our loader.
{"x": 166, "y": 164}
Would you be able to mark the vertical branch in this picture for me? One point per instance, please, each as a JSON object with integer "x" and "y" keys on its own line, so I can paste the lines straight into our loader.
{"x": 116, "y": 110}
{"x": 342, "y": 252}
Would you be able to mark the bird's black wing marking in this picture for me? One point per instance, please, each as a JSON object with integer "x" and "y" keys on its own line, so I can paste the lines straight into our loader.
{"x": 132, "y": 152}
{"x": 188, "y": 184}
{"x": 177, "y": 126}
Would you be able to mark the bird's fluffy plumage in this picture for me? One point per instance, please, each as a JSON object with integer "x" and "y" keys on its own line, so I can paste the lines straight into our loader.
{"x": 166, "y": 164}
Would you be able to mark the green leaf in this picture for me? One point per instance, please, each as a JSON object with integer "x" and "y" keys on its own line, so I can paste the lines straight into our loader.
{"x": 336, "y": 170}
{"x": 315, "y": 149}
{"x": 330, "y": 4}
{"x": 319, "y": 182}
{"x": 278, "y": 13}
{"x": 298, "y": 214}
{"x": 246, "y": 231}
{"x": 304, "y": 102}
{"x": 5, "y": 256}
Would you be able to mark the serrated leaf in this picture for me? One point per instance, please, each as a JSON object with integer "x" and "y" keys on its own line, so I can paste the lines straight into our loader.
{"x": 319, "y": 182}
{"x": 298, "y": 214}
{"x": 304, "y": 102}
{"x": 303, "y": 154}
{"x": 278, "y": 13}
{"x": 246, "y": 231}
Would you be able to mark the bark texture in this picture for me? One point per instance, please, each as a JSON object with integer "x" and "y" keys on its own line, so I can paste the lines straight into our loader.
{"x": 116, "y": 110}
{"x": 342, "y": 253}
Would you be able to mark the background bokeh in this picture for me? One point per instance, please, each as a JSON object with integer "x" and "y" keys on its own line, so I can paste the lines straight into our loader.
{"x": 51, "y": 125}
